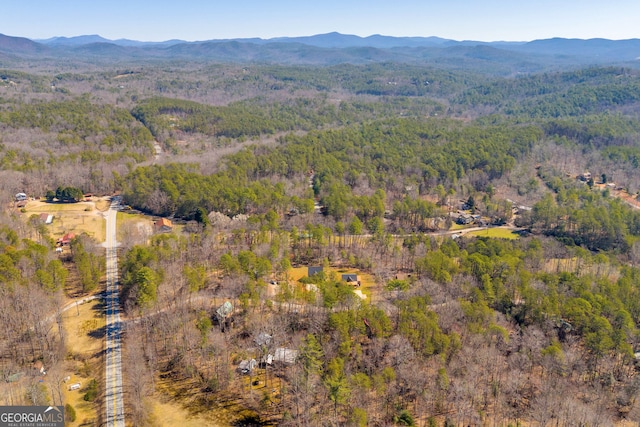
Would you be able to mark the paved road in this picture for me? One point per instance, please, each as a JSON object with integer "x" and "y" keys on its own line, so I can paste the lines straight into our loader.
{"x": 114, "y": 402}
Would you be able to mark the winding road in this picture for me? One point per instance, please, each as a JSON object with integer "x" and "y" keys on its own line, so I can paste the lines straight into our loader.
{"x": 114, "y": 402}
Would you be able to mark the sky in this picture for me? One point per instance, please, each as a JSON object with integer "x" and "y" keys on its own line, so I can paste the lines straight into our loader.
{"x": 192, "y": 20}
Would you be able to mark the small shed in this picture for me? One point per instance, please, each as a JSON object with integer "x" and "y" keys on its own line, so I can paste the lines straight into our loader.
{"x": 224, "y": 310}
{"x": 163, "y": 225}
{"x": 46, "y": 218}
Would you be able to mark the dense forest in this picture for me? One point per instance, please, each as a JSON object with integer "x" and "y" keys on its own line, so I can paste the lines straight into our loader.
{"x": 270, "y": 169}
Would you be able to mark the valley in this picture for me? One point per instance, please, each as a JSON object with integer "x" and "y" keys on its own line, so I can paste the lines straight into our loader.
{"x": 193, "y": 240}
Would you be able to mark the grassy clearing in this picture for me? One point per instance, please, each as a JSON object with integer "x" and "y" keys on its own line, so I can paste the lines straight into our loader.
{"x": 455, "y": 227}
{"x": 496, "y": 233}
{"x": 74, "y": 218}
{"x": 40, "y": 207}
{"x": 296, "y": 273}
{"x": 133, "y": 227}
{"x": 83, "y": 325}
{"x": 84, "y": 341}
{"x": 171, "y": 413}
{"x": 368, "y": 284}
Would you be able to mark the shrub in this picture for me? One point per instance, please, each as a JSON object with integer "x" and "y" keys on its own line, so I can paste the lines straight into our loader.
{"x": 404, "y": 418}
{"x": 397, "y": 284}
{"x": 69, "y": 413}
{"x": 92, "y": 391}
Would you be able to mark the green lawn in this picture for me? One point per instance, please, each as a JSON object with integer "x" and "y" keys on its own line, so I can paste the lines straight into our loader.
{"x": 455, "y": 226}
{"x": 498, "y": 233}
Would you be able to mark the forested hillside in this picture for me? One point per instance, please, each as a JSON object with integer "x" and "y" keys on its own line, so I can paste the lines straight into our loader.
{"x": 399, "y": 175}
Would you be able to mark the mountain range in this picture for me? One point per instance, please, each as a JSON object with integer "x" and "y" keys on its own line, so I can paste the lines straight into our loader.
{"x": 336, "y": 48}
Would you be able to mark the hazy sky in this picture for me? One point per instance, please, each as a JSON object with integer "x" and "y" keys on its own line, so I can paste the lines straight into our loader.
{"x": 485, "y": 20}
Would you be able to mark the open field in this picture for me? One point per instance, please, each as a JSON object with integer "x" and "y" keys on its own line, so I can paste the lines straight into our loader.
{"x": 296, "y": 273}
{"x": 455, "y": 227}
{"x": 87, "y": 217}
{"x": 167, "y": 412}
{"x": 368, "y": 284}
{"x": 84, "y": 328}
{"x": 77, "y": 218}
{"x": 133, "y": 228}
{"x": 497, "y": 233}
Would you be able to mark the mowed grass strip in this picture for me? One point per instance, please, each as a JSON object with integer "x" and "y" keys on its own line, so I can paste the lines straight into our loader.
{"x": 40, "y": 207}
{"x": 496, "y": 233}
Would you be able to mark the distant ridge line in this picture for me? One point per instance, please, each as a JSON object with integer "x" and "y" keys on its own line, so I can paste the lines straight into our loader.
{"x": 336, "y": 48}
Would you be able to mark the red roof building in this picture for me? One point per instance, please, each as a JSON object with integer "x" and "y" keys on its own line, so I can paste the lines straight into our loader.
{"x": 164, "y": 225}
{"x": 67, "y": 238}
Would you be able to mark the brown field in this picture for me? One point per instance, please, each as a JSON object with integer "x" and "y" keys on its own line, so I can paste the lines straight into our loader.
{"x": 296, "y": 273}
{"x": 86, "y": 217}
{"x": 84, "y": 342}
{"x": 77, "y": 218}
{"x": 183, "y": 404}
{"x": 133, "y": 228}
{"x": 171, "y": 413}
